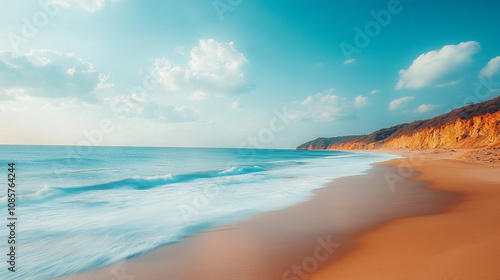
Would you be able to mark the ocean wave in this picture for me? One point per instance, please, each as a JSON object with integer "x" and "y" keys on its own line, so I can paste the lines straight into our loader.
{"x": 98, "y": 219}
{"x": 241, "y": 170}
{"x": 149, "y": 182}
{"x": 42, "y": 192}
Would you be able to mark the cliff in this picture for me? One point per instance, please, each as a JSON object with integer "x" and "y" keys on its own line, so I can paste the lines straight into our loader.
{"x": 470, "y": 127}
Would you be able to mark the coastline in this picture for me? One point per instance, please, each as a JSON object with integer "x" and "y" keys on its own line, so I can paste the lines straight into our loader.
{"x": 281, "y": 244}
{"x": 355, "y": 215}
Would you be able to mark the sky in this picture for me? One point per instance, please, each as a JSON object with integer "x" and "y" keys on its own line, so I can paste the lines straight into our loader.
{"x": 237, "y": 73}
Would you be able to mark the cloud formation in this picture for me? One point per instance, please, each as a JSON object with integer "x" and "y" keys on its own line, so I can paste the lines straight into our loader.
{"x": 197, "y": 95}
{"x": 139, "y": 105}
{"x": 88, "y": 5}
{"x": 45, "y": 73}
{"x": 397, "y": 103}
{"x": 492, "y": 68}
{"x": 424, "y": 108}
{"x": 11, "y": 93}
{"x": 326, "y": 107}
{"x": 360, "y": 101}
{"x": 350, "y": 61}
{"x": 438, "y": 67}
{"x": 214, "y": 67}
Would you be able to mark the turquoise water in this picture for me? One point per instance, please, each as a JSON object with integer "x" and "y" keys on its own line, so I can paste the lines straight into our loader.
{"x": 83, "y": 208}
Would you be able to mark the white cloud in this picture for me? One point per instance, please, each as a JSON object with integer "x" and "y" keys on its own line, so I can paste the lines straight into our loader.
{"x": 171, "y": 76}
{"x": 324, "y": 107}
{"x": 329, "y": 91}
{"x": 397, "y": 103}
{"x": 214, "y": 67}
{"x": 88, "y": 5}
{"x": 360, "y": 101}
{"x": 375, "y": 91}
{"x": 197, "y": 95}
{"x": 11, "y": 93}
{"x": 180, "y": 50}
{"x": 424, "y": 108}
{"x": 437, "y": 67}
{"x": 450, "y": 83}
{"x": 492, "y": 68}
{"x": 209, "y": 122}
{"x": 45, "y": 73}
{"x": 39, "y": 61}
{"x": 103, "y": 82}
{"x": 349, "y": 61}
{"x": 212, "y": 57}
{"x": 141, "y": 106}
{"x": 236, "y": 105}
{"x": 308, "y": 100}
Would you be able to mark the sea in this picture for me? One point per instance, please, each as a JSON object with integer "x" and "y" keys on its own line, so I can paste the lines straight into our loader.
{"x": 81, "y": 208}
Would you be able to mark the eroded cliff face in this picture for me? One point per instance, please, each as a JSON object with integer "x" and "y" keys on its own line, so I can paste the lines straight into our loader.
{"x": 471, "y": 127}
{"x": 477, "y": 132}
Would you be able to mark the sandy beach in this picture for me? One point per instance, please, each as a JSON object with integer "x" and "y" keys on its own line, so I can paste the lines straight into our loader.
{"x": 427, "y": 216}
{"x": 460, "y": 243}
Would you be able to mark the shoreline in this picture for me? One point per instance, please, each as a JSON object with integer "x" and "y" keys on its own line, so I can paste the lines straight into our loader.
{"x": 272, "y": 244}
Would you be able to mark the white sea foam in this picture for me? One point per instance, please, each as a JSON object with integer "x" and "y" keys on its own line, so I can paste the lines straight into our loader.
{"x": 73, "y": 223}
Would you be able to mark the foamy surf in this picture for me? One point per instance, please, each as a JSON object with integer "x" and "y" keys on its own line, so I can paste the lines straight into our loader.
{"x": 121, "y": 202}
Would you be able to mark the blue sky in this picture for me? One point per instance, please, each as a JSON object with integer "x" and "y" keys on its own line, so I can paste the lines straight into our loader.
{"x": 266, "y": 74}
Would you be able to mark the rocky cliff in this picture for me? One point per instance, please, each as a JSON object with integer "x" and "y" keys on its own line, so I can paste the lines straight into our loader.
{"x": 470, "y": 127}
